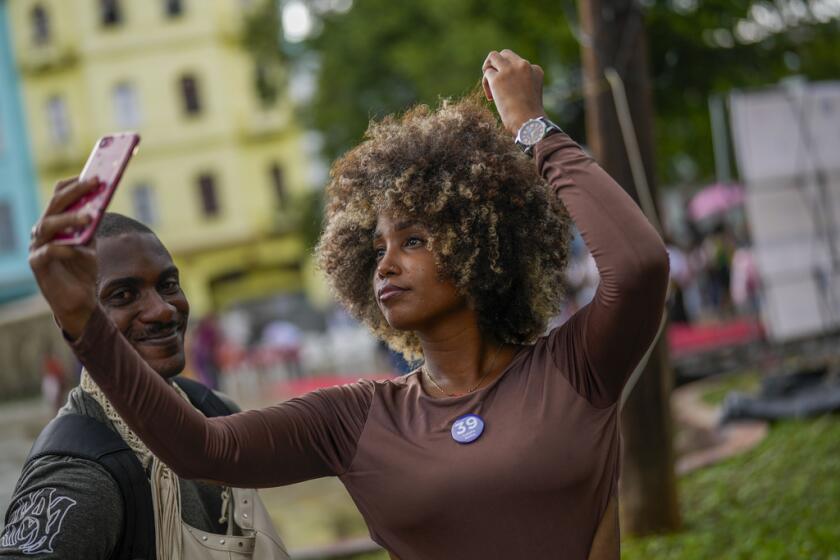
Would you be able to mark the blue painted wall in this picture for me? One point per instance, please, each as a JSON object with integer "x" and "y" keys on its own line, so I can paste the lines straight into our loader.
{"x": 18, "y": 187}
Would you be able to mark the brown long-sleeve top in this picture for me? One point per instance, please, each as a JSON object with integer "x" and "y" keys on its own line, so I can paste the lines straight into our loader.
{"x": 534, "y": 485}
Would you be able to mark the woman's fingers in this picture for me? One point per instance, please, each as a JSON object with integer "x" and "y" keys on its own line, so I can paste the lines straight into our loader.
{"x": 515, "y": 86}
{"x": 485, "y": 83}
{"x": 495, "y": 60}
{"x": 510, "y": 56}
{"x": 488, "y": 70}
{"x": 487, "y": 63}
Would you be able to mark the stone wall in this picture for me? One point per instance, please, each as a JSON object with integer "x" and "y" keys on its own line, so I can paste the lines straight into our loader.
{"x": 28, "y": 335}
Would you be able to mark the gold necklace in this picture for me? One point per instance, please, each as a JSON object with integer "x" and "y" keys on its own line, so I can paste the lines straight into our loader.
{"x": 474, "y": 387}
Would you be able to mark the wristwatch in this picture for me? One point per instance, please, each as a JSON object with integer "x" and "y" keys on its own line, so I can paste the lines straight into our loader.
{"x": 533, "y": 131}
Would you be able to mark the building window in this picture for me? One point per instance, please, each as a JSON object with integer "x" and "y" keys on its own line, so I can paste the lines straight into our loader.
{"x": 174, "y": 8}
{"x": 143, "y": 204}
{"x": 190, "y": 95}
{"x": 7, "y": 230}
{"x": 40, "y": 25}
{"x": 58, "y": 120}
{"x": 126, "y": 106}
{"x": 209, "y": 197}
{"x": 265, "y": 80}
{"x": 278, "y": 183}
{"x": 110, "y": 12}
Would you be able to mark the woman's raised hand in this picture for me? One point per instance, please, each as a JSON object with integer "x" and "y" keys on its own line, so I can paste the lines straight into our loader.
{"x": 515, "y": 85}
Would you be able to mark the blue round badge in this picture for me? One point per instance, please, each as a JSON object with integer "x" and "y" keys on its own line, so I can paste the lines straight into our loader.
{"x": 467, "y": 428}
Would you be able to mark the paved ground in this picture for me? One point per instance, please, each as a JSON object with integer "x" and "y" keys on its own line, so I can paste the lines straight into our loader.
{"x": 21, "y": 421}
{"x": 700, "y": 423}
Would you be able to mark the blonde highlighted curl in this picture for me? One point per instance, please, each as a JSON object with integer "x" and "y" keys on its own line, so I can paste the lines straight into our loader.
{"x": 495, "y": 230}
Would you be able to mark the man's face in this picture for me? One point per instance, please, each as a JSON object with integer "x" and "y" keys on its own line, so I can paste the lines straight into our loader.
{"x": 139, "y": 289}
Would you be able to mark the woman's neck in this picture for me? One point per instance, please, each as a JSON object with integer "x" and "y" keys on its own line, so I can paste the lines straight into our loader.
{"x": 458, "y": 359}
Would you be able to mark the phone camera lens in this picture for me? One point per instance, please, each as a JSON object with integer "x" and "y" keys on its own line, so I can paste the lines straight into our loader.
{"x": 105, "y": 142}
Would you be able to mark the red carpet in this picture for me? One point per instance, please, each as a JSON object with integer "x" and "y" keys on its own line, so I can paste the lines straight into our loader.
{"x": 692, "y": 339}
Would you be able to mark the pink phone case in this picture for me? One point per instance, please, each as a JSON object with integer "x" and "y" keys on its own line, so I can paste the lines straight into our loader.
{"x": 107, "y": 162}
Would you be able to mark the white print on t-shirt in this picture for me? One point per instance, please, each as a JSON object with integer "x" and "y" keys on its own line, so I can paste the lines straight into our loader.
{"x": 36, "y": 521}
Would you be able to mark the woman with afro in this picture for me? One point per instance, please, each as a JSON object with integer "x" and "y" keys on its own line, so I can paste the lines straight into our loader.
{"x": 449, "y": 242}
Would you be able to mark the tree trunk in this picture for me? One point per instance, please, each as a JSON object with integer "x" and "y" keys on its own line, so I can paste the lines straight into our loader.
{"x": 613, "y": 37}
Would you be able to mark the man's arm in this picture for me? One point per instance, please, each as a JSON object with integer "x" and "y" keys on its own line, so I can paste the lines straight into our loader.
{"x": 62, "y": 507}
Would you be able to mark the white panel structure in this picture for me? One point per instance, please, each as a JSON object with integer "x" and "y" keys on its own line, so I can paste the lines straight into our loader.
{"x": 787, "y": 143}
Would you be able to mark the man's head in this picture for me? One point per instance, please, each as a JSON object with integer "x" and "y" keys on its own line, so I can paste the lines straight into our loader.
{"x": 139, "y": 289}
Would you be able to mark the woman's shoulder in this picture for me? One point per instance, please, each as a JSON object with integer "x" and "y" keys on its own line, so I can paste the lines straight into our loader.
{"x": 399, "y": 385}
{"x": 365, "y": 389}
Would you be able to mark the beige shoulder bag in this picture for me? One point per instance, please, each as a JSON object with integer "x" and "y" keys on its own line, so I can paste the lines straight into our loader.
{"x": 250, "y": 533}
{"x": 253, "y": 537}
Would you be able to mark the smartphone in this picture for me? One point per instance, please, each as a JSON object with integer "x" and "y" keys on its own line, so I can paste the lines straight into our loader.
{"x": 107, "y": 162}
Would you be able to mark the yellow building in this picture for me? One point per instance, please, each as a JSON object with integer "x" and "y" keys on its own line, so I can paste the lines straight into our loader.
{"x": 219, "y": 167}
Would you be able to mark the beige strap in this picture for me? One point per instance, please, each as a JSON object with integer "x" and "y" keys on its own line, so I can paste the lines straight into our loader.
{"x": 177, "y": 540}
{"x": 166, "y": 501}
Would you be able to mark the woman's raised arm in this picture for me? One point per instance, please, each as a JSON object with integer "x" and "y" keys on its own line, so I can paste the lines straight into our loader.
{"x": 297, "y": 440}
{"x": 602, "y": 343}
{"x": 600, "y": 346}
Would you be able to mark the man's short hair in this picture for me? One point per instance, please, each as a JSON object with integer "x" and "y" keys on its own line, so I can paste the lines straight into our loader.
{"x": 113, "y": 224}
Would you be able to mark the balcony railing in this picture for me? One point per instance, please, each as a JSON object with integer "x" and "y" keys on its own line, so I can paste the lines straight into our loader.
{"x": 54, "y": 157}
{"x": 47, "y": 58}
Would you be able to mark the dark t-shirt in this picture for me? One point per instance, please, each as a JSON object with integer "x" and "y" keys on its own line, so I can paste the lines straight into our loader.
{"x": 65, "y": 507}
{"x": 534, "y": 485}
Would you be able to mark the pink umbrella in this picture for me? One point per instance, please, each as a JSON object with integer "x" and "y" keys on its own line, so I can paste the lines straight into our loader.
{"x": 715, "y": 199}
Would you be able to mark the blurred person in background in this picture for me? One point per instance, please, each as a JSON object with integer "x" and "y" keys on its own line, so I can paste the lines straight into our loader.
{"x": 67, "y": 505}
{"x": 719, "y": 247}
{"x": 581, "y": 274}
{"x": 695, "y": 292}
{"x": 53, "y": 381}
{"x": 207, "y": 343}
{"x": 681, "y": 280}
{"x": 283, "y": 341}
{"x": 745, "y": 281}
{"x": 449, "y": 244}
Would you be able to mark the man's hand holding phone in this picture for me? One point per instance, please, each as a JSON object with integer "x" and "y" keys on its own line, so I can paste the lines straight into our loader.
{"x": 62, "y": 253}
{"x": 66, "y": 274}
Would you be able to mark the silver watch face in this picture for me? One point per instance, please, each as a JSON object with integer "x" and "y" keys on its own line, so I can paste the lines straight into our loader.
{"x": 532, "y": 132}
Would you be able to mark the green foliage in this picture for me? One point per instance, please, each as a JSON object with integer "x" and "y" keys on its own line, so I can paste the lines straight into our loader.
{"x": 309, "y": 209}
{"x": 260, "y": 36}
{"x": 688, "y": 66}
{"x": 382, "y": 56}
{"x": 262, "y": 32}
{"x": 778, "y": 501}
{"x": 744, "y": 382}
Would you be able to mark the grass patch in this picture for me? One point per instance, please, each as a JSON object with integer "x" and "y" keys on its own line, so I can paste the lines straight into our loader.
{"x": 748, "y": 382}
{"x": 781, "y": 500}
